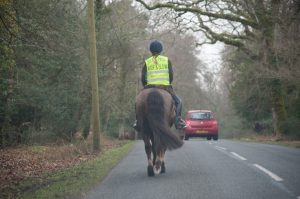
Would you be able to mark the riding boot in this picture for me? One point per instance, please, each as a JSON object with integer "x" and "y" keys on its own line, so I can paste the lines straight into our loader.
{"x": 179, "y": 123}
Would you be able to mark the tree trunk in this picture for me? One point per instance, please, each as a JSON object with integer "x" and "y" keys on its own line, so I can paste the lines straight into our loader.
{"x": 107, "y": 120}
{"x": 7, "y": 72}
{"x": 121, "y": 129}
{"x": 7, "y": 128}
{"x": 272, "y": 62}
{"x": 94, "y": 77}
{"x": 279, "y": 117}
{"x": 122, "y": 87}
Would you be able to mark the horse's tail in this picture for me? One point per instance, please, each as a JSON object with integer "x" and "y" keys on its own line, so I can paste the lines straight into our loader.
{"x": 158, "y": 124}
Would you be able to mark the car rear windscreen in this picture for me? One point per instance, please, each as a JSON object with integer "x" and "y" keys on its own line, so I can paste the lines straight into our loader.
{"x": 200, "y": 115}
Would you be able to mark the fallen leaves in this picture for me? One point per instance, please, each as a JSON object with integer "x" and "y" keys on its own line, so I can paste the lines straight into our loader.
{"x": 24, "y": 162}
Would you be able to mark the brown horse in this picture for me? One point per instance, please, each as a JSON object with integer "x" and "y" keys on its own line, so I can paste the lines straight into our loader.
{"x": 155, "y": 113}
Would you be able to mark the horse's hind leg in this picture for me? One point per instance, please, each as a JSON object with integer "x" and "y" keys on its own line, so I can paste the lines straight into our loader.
{"x": 150, "y": 163}
{"x": 159, "y": 166}
{"x": 148, "y": 149}
{"x": 153, "y": 153}
{"x": 163, "y": 166}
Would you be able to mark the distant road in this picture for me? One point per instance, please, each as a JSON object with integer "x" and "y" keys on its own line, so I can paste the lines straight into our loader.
{"x": 207, "y": 170}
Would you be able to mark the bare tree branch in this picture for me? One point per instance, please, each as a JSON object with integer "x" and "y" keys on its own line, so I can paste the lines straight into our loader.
{"x": 209, "y": 18}
{"x": 197, "y": 10}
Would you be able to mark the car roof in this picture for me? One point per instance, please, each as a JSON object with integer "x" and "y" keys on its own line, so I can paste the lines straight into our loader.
{"x": 192, "y": 111}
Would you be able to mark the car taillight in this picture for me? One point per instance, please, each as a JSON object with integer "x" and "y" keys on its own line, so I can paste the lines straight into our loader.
{"x": 214, "y": 122}
{"x": 188, "y": 123}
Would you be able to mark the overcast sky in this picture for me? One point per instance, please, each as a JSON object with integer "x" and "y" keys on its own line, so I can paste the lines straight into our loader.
{"x": 211, "y": 55}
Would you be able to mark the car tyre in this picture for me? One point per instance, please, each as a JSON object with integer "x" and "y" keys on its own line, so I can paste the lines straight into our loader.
{"x": 215, "y": 137}
{"x": 186, "y": 137}
{"x": 208, "y": 137}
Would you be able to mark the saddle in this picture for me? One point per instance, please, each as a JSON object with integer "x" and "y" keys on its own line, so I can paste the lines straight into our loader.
{"x": 168, "y": 88}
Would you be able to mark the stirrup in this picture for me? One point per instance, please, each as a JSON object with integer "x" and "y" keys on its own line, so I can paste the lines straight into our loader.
{"x": 180, "y": 123}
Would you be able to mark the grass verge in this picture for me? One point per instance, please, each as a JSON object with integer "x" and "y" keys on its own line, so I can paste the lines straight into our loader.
{"x": 73, "y": 182}
{"x": 269, "y": 139}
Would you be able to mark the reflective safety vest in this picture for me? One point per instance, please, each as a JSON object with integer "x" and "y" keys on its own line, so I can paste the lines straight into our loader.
{"x": 157, "y": 70}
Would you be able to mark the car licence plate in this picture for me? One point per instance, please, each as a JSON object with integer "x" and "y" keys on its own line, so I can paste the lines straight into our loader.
{"x": 201, "y": 131}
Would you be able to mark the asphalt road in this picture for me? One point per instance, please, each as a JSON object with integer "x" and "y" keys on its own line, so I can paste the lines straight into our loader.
{"x": 207, "y": 170}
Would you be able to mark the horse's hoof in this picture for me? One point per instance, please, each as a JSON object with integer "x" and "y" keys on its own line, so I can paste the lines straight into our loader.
{"x": 157, "y": 167}
{"x": 150, "y": 171}
{"x": 157, "y": 170}
{"x": 163, "y": 168}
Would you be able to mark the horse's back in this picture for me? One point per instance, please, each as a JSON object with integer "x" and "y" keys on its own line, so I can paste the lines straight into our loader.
{"x": 157, "y": 101}
{"x": 143, "y": 95}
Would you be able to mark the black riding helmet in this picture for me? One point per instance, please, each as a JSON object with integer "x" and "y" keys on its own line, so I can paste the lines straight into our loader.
{"x": 156, "y": 47}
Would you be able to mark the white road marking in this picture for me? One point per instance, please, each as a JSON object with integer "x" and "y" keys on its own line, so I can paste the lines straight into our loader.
{"x": 222, "y": 148}
{"x": 298, "y": 197}
{"x": 238, "y": 156}
{"x": 271, "y": 174}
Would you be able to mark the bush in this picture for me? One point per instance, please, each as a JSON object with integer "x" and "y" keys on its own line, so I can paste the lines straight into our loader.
{"x": 291, "y": 127}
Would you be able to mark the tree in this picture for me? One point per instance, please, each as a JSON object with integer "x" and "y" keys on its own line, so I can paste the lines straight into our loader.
{"x": 119, "y": 44}
{"x": 94, "y": 77}
{"x": 44, "y": 69}
{"x": 238, "y": 23}
{"x": 49, "y": 55}
{"x": 187, "y": 68}
{"x": 8, "y": 32}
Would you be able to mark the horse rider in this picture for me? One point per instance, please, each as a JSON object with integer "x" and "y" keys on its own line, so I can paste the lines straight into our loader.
{"x": 158, "y": 73}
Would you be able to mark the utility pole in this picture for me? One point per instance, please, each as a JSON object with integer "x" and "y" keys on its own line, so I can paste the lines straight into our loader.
{"x": 94, "y": 77}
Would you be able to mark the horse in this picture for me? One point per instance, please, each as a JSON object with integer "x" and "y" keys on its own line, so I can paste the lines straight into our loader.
{"x": 155, "y": 112}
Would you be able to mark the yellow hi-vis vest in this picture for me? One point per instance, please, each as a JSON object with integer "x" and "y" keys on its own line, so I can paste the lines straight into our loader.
{"x": 157, "y": 70}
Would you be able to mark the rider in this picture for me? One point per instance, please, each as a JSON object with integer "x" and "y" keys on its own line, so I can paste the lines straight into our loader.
{"x": 157, "y": 72}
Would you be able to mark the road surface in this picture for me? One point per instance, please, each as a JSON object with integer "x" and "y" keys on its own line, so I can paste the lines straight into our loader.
{"x": 207, "y": 170}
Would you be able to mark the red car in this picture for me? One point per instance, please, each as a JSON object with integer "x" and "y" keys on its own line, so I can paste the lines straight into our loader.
{"x": 201, "y": 123}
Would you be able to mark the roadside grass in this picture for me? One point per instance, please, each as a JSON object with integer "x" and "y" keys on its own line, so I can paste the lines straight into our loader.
{"x": 270, "y": 139}
{"x": 291, "y": 143}
{"x": 73, "y": 182}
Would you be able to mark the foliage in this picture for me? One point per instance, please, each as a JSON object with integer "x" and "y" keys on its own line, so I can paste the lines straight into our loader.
{"x": 253, "y": 85}
{"x": 45, "y": 75}
{"x": 8, "y": 30}
{"x": 46, "y": 90}
{"x": 260, "y": 29}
